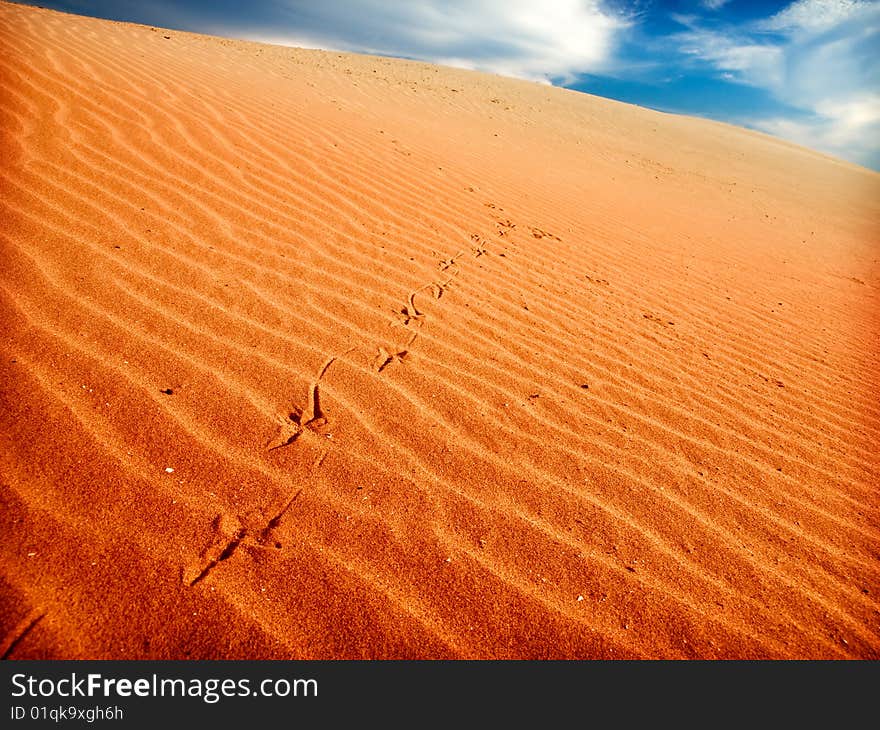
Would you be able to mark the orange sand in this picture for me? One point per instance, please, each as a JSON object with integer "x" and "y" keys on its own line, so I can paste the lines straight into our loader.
{"x": 544, "y": 375}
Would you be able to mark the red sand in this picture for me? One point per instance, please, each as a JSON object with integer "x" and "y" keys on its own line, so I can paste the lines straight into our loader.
{"x": 403, "y": 278}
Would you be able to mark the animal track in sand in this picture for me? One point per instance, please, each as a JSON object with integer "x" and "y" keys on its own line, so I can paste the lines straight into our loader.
{"x": 229, "y": 535}
{"x": 538, "y": 233}
{"x": 19, "y": 631}
{"x": 438, "y": 288}
{"x": 504, "y": 227}
{"x": 383, "y": 358}
{"x": 658, "y": 320}
{"x": 451, "y": 261}
{"x": 410, "y": 312}
{"x": 291, "y": 426}
{"x": 480, "y": 249}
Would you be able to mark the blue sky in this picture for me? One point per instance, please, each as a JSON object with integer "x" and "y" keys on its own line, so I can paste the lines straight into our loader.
{"x": 804, "y": 70}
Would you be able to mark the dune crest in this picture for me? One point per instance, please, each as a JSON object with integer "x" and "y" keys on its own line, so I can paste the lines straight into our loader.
{"x": 317, "y": 355}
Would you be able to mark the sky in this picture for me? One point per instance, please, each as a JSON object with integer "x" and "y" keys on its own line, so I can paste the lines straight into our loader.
{"x": 804, "y": 70}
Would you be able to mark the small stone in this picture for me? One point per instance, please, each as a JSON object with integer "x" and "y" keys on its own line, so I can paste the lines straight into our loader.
{"x": 169, "y": 470}
{"x": 580, "y": 598}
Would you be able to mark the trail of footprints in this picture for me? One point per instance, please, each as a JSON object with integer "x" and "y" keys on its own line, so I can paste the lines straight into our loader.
{"x": 230, "y": 534}
{"x": 291, "y": 426}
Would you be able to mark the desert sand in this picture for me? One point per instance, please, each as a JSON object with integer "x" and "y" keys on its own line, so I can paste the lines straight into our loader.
{"x": 318, "y": 355}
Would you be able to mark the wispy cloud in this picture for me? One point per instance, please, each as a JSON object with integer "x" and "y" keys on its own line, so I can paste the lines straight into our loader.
{"x": 816, "y": 56}
{"x": 850, "y": 129}
{"x": 714, "y": 4}
{"x": 521, "y": 38}
{"x": 812, "y": 15}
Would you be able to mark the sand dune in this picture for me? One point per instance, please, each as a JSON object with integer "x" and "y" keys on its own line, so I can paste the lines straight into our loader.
{"x": 318, "y": 355}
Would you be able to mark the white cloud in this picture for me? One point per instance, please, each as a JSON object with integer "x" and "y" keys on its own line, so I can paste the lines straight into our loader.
{"x": 816, "y": 56}
{"x": 556, "y": 39}
{"x": 850, "y": 126}
{"x": 749, "y": 63}
{"x": 813, "y": 15}
{"x": 714, "y": 4}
